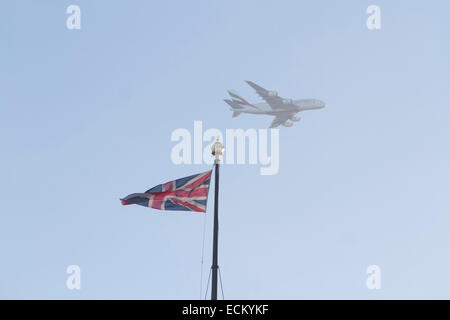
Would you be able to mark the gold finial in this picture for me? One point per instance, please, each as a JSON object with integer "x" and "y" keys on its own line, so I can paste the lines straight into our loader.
{"x": 217, "y": 150}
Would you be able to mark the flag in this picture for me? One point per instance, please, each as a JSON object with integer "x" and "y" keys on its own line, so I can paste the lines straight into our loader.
{"x": 185, "y": 194}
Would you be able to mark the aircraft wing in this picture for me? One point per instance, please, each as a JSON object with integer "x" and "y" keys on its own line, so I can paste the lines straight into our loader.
{"x": 273, "y": 100}
{"x": 280, "y": 119}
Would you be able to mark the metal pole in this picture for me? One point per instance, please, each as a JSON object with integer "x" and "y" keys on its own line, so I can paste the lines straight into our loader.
{"x": 215, "y": 264}
{"x": 217, "y": 150}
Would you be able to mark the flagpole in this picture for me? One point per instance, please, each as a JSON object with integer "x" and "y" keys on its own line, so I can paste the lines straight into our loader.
{"x": 217, "y": 150}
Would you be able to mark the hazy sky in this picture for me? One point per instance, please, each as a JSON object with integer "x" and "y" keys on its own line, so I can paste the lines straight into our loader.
{"x": 86, "y": 118}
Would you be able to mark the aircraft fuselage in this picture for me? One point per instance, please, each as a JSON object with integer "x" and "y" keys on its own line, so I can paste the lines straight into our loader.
{"x": 296, "y": 106}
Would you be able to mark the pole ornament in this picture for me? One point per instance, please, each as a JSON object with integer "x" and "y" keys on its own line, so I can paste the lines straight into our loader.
{"x": 217, "y": 150}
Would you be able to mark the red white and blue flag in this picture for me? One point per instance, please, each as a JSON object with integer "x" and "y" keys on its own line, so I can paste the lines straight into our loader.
{"x": 185, "y": 194}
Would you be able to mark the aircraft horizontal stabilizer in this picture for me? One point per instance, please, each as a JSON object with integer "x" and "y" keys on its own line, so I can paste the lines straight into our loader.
{"x": 233, "y": 104}
{"x": 236, "y": 113}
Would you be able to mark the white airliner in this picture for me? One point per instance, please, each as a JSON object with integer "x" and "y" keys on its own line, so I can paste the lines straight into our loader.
{"x": 284, "y": 110}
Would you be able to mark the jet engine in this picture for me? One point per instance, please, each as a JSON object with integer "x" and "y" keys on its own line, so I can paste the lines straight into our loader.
{"x": 295, "y": 118}
{"x": 288, "y": 124}
{"x": 272, "y": 93}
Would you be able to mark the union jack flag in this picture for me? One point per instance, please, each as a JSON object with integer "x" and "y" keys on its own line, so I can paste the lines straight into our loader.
{"x": 185, "y": 194}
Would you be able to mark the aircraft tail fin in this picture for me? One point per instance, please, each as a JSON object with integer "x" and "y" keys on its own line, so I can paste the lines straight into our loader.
{"x": 235, "y": 96}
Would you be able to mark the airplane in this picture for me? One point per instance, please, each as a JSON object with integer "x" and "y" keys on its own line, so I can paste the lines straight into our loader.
{"x": 284, "y": 110}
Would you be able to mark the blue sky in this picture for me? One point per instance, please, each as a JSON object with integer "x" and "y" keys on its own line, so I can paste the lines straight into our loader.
{"x": 86, "y": 117}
